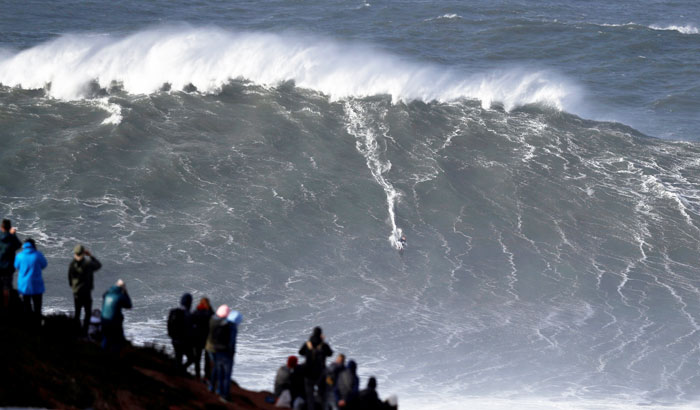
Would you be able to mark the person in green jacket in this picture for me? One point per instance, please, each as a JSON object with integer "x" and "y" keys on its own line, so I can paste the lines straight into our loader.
{"x": 81, "y": 280}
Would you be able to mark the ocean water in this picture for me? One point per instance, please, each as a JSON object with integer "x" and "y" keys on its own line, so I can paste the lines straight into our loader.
{"x": 542, "y": 159}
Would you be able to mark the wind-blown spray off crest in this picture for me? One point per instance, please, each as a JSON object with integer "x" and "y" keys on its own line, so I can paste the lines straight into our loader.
{"x": 209, "y": 58}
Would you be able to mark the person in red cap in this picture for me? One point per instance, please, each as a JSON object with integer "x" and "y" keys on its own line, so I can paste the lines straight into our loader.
{"x": 289, "y": 385}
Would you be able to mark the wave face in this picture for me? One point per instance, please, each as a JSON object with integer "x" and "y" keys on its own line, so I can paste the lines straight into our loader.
{"x": 269, "y": 155}
{"x": 207, "y": 59}
{"x": 550, "y": 259}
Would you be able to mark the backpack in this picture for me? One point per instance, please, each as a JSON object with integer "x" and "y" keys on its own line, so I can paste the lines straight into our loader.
{"x": 176, "y": 324}
{"x": 221, "y": 334}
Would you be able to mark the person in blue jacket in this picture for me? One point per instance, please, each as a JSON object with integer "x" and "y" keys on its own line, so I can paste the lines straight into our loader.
{"x": 30, "y": 284}
{"x": 113, "y": 301}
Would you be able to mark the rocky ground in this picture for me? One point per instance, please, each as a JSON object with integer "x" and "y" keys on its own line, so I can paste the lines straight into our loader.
{"x": 48, "y": 366}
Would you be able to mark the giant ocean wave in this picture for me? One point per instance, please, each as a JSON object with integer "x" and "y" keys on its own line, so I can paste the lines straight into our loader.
{"x": 208, "y": 58}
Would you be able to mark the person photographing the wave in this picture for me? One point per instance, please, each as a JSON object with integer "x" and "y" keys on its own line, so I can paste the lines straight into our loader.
{"x": 315, "y": 350}
{"x": 113, "y": 301}
{"x": 81, "y": 277}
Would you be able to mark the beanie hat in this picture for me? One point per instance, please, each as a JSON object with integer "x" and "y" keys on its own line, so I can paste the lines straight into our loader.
{"x": 78, "y": 250}
{"x": 186, "y": 301}
{"x": 292, "y": 361}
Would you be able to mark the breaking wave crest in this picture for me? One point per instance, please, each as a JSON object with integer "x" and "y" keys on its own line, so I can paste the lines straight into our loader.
{"x": 69, "y": 66}
{"x": 687, "y": 29}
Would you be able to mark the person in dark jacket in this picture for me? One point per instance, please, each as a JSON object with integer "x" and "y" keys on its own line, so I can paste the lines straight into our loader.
{"x": 368, "y": 399}
{"x": 315, "y": 351}
{"x": 200, "y": 330}
{"x": 220, "y": 347}
{"x": 113, "y": 301}
{"x": 348, "y": 386}
{"x": 30, "y": 284}
{"x": 81, "y": 280}
{"x": 9, "y": 245}
{"x": 290, "y": 379}
{"x": 180, "y": 332}
{"x": 332, "y": 373}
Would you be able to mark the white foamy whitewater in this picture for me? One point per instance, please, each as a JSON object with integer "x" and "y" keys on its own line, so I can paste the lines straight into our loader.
{"x": 209, "y": 58}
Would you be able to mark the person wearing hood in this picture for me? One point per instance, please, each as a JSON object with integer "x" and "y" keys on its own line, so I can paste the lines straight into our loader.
{"x": 180, "y": 331}
{"x": 81, "y": 280}
{"x": 347, "y": 386}
{"x": 30, "y": 284}
{"x": 9, "y": 245}
{"x": 315, "y": 352}
{"x": 221, "y": 346}
{"x": 200, "y": 330}
{"x": 369, "y": 399}
{"x": 113, "y": 301}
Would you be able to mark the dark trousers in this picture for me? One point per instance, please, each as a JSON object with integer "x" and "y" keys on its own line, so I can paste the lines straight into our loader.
{"x": 198, "y": 363}
{"x": 83, "y": 301}
{"x": 30, "y": 300}
{"x": 315, "y": 389}
{"x": 112, "y": 335}
{"x": 183, "y": 349}
{"x": 5, "y": 287}
{"x": 221, "y": 369}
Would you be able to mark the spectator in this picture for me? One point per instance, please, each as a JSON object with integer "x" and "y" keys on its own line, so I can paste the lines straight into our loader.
{"x": 81, "y": 280}
{"x": 113, "y": 301}
{"x": 221, "y": 338}
{"x": 289, "y": 385}
{"x": 315, "y": 350}
{"x": 347, "y": 386}
{"x": 200, "y": 331}
{"x": 30, "y": 284}
{"x": 368, "y": 399}
{"x": 9, "y": 245}
{"x": 332, "y": 373}
{"x": 180, "y": 332}
{"x": 234, "y": 318}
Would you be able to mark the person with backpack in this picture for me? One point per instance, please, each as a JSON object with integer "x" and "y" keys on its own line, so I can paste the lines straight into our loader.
{"x": 113, "y": 301}
{"x": 180, "y": 332}
{"x": 348, "y": 386}
{"x": 315, "y": 352}
{"x": 200, "y": 331}
{"x": 81, "y": 280}
{"x": 9, "y": 245}
{"x": 221, "y": 346}
{"x": 30, "y": 284}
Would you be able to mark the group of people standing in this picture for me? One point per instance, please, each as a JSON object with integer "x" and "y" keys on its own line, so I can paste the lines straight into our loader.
{"x": 29, "y": 264}
{"x": 310, "y": 385}
{"x": 204, "y": 330}
{"x": 313, "y": 386}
